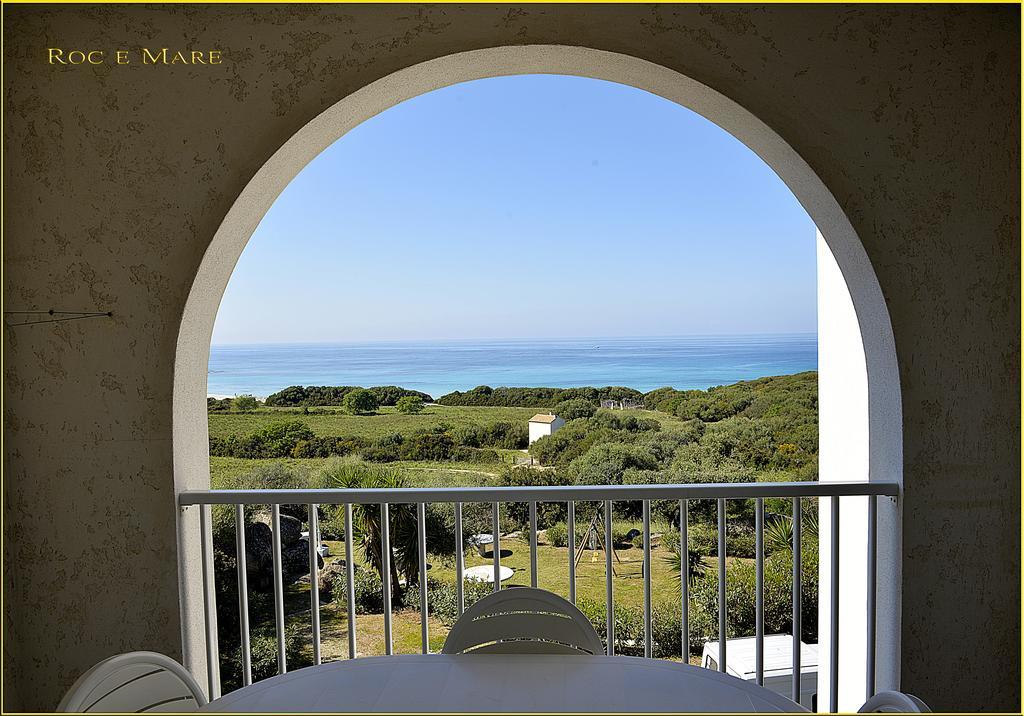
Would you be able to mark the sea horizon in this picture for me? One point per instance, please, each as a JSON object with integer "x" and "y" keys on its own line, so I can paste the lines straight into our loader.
{"x": 441, "y": 366}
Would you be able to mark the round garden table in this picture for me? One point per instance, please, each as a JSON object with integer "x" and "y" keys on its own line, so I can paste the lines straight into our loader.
{"x": 503, "y": 682}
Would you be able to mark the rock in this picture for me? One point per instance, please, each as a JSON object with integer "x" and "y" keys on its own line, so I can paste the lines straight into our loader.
{"x": 291, "y": 528}
{"x": 332, "y": 580}
{"x": 259, "y": 552}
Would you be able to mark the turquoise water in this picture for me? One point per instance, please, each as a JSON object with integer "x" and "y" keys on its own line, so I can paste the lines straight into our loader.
{"x": 439, "y": 367}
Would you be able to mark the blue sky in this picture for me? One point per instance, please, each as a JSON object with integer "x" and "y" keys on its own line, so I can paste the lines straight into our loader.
{"x": 527, "y": 207}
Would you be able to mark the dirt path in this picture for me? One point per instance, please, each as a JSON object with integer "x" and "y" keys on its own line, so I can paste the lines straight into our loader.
{"x": 445, "y": 469}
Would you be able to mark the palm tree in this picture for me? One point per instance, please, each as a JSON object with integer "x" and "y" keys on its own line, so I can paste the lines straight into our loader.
{"x": 366, "y": 520}
{"x": 695, "y": 567}
{"x": 778, "y": 532}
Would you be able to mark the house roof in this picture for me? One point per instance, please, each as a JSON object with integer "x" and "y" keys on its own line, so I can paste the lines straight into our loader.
{"x": 543, "y": 418}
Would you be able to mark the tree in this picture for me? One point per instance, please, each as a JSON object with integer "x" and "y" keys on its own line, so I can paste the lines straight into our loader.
{"x": 246, "y": 402}
{"x": 359, "y": 401}
{"x": 575, "y": 408}
{"x": 409, "y": 404}
{"x": 366, "y": 521}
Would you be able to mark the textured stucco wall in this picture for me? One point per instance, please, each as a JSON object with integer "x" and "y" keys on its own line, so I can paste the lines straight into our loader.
{"x": 116, "y": 179}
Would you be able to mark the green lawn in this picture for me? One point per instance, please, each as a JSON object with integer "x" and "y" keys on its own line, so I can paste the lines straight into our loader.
{"x": 552, "y": 572}
{"x": 371, "y": 427}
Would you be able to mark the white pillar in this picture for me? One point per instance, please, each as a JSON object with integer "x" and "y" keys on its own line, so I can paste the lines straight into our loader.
{"x": 843, "y": 456}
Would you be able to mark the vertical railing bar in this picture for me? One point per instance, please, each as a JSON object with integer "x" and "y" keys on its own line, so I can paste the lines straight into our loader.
{"x": 496, "y": 535}
{"x": 833, "y": 654}
{"x": 533, "y": 544}
{"x": 350, "y": 583}
{"x": 722, "y": 623}
{"x": 243, "y": 594}
{"x": 571, "y": 537}
{"x": 684, "y": 576}
{"x": 648, "y": 629}
{"x": 275, "y": 521}
{"x": 421, "y": 520}
{"x": 385, "y": 561}
{"x": 797, "y": 602}
{"x": 609, "y": 596}
{"x": 314, "y": 580}
{"x": 759, "y": 590}
{"x": 872, "y": 588}
{"x": 460, "y": 566}
{"x": 209, "y": 602}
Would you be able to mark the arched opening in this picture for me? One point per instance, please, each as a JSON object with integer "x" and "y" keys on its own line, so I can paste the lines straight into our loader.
{"x": 884, "y": 455}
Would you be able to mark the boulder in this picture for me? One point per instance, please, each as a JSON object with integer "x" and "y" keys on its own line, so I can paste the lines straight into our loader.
{"x": 259, "y": 553}
{"x": 291, "y": 527}
{"x": 332, "y": 580}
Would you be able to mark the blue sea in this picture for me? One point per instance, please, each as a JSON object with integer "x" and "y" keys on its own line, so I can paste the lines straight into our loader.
{"x": 439, "y": 367}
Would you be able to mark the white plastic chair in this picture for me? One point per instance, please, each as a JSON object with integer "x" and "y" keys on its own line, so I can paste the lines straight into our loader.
{"x": 523, "y": 621}
{"x": 140, "y": 681}
{"x": 893, "y": 702}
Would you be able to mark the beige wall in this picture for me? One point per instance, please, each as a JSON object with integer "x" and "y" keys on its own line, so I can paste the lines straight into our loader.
{"x": 116, "y": 179}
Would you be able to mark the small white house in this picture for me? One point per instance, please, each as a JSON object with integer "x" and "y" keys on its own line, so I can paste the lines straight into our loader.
{"x": 741, "y": 662}
{"x": 543, "y": 424}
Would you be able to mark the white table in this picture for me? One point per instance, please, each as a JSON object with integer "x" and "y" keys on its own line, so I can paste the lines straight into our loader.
{"x": 503, "y": 682}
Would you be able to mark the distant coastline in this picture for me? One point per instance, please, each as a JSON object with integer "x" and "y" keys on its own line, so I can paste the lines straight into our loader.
{"x": 440, "y": 367}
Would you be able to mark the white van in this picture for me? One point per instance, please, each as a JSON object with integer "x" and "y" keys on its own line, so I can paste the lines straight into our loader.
{"x": 740, "y": 661}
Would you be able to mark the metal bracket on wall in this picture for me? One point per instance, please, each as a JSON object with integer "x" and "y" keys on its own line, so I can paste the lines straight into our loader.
{"x": 31, "y": 318}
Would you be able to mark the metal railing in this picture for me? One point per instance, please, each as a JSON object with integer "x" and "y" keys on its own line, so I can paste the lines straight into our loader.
{"x": 496, "y": 496}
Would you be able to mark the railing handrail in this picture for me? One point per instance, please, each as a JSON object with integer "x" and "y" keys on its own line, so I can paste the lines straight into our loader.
{"x": 511, "y": 493}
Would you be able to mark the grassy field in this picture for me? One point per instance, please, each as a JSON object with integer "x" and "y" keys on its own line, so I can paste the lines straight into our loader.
{"x": 385, "y": 422}
{"x": 418, "y": 474}
{"x": 552, "y": 573}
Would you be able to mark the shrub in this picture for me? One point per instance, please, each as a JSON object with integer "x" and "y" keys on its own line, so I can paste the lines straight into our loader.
{"x": 327, "y": 446}
{"x": 245, "y": 402}
{"x": 360, "y": 402}
{"x": 479, "y": 455}
{"x": 297, "y": 395}
{"x": 778, "y": 606}
{"x": 409, "y": 404}
{"x": 369, "y": 591}
{"x": 518, "y": 513}
{"x": 263, "y": 656}
{"x": 276, "y": 439}
{"x": 378, "y": 453}
{"x": 575, "y": 408}
{"x": 434, "y": 446}
{"x": 536, "y": 397}
{"x": 739, "y": 539}
{"x": 442, "y": 598}
{"x": 557, "y": 535}
{"x": 605, "y": 464}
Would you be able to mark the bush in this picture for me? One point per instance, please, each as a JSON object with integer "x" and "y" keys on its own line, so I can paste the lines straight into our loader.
{"x": 276, "y": 439}
{"x": 433, "y": 446}
{"x": 360, "y": 402}
{"x": 245, "y": 402}
{"x": 605, "y": 464}
{"x": 327, "y": 446}
{"x": 518, "y": 513}
{"x": 575, "y": 408}
{"x": 297, "y": 395}
{"x": 536, "y": 397}
{"x": 263, "y": 656}
{"x": 409, "y": 404}
{"x": 778, "y": 605}
{"x": 557, "y": 535}
{"x": 369, "y": 591}
{"x": 442, "y": 598}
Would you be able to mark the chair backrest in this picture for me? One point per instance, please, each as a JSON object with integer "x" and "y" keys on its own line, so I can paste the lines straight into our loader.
{"x": 893, "y": 702}
{"x": 523, "y": 621}
{"x": 140, "y": 681}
